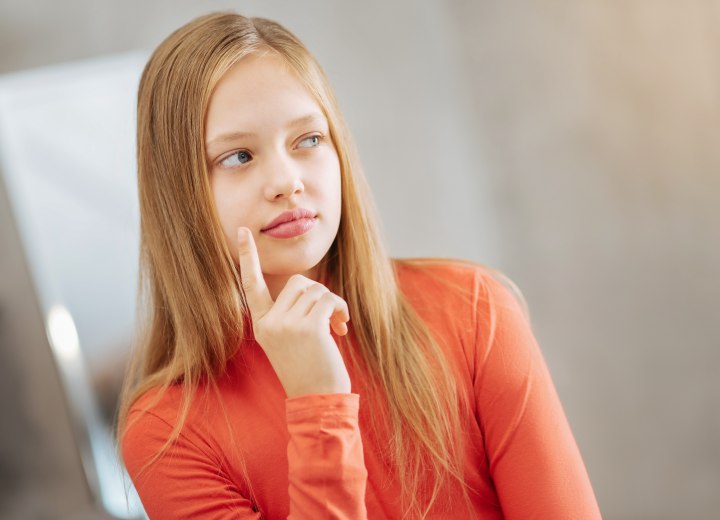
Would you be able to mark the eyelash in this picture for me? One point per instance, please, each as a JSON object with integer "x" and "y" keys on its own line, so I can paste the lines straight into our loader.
{"x": 319, "y": 138}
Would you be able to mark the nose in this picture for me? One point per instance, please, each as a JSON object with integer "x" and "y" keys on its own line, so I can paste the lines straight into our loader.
{"x": 284, "y": 179}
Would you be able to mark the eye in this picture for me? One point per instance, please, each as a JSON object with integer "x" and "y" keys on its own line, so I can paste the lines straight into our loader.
{"x": 236, "y": 159}
{"x": 310, "y": 142}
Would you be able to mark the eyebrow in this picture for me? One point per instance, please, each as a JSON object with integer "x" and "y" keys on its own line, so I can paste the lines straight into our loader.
{"x": 315, "y": 117}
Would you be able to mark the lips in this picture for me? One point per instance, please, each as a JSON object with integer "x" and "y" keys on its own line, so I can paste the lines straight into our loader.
{"x": 289, "y": 216}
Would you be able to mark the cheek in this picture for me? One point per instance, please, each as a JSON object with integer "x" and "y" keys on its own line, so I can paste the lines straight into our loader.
{"x": 231, "y": 208}
{"x": 332, "y": 177}
{"x": 337, "y": 192}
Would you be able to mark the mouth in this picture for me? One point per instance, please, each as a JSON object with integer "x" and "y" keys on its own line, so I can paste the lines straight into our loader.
{"x": 291, "y": 228}
{"x": 290, "y": 216}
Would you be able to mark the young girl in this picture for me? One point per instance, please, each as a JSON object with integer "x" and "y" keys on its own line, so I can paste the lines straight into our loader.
{"x": 289, "y": 368}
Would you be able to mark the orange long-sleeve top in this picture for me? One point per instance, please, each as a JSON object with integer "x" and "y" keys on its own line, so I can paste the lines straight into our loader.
{"x": 312, "y": 457}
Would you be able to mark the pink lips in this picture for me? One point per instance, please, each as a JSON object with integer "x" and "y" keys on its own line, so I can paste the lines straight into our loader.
{"x": 291, "y": 223}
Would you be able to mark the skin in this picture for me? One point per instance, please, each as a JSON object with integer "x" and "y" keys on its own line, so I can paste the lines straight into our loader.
{"x": 269, "y": 151}
{"x": 293, "y": 329}
{"x": 278, "y": 167}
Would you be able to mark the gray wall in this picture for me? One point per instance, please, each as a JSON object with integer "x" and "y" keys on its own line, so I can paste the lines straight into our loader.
{"x": 574, "y": 145}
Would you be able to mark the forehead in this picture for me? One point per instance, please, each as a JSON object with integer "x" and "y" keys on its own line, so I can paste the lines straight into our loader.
{"x": 259, "y": 92}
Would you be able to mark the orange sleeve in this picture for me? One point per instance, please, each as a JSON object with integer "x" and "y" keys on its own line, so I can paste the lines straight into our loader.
{"x": 327, "y": 475}
{"x": 533, "y": 458}
{"x": 325, "y": 457}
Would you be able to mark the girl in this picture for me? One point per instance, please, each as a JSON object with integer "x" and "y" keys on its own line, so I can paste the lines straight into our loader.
{"x": 289, "y": 368}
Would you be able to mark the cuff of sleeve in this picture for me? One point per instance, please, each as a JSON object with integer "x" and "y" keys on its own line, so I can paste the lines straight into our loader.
{"x": 304, "y": 406}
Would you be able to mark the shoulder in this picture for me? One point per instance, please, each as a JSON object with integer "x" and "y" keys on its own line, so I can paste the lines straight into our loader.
{"x": 150, "y": 420}
{"x": 160, "y": 415}
{"x": 433, "y": 278}
{"x": 177, "y": 403}
{"x": 461, "y": 282}
{"x": 463, "y": 302}
{"x": 163, "y": 403}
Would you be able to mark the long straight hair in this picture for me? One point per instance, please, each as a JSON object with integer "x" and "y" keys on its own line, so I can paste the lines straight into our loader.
{"x": 189, "y": 288}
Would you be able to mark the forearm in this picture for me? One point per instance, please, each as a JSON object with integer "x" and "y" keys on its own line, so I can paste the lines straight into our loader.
{"x": 327, "y": 474}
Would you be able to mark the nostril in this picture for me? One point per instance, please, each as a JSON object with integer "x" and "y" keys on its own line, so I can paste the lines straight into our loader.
{"x": 284, "y": 188}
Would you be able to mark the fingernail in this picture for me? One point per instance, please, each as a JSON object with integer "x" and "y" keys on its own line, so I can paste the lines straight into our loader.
{"x": 242, "y": 236}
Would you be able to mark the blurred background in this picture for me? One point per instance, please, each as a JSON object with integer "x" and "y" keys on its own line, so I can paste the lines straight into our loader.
{"x": 573, "y": 145}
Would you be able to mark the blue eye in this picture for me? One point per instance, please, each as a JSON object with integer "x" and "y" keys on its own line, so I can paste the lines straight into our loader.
{"x": 313, "y": 141}
{"x": 236, "y": 159}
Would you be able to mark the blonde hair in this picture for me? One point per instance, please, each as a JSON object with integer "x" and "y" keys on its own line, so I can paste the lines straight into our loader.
{"x": 189, "y": 285}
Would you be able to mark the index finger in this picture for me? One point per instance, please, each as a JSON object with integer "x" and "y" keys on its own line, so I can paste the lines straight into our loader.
{"x": 251, "y": 277}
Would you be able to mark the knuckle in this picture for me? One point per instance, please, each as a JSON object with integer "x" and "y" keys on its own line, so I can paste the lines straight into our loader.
{"x": 297, "y": 278}
{"x": 318, "y": 289}
{"x": 328, "y": 296}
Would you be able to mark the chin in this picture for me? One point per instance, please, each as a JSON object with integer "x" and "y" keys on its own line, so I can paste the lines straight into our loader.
{"x": 290, "y": 266}
{"x": 293, "y": 260}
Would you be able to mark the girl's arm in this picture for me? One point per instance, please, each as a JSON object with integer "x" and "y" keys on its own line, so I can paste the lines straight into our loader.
{"x": 533, "y": 458}
{"x": 326, "y": 477}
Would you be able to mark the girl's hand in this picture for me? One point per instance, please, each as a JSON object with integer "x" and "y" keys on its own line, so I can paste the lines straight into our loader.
{"x": 294, "y": 330}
